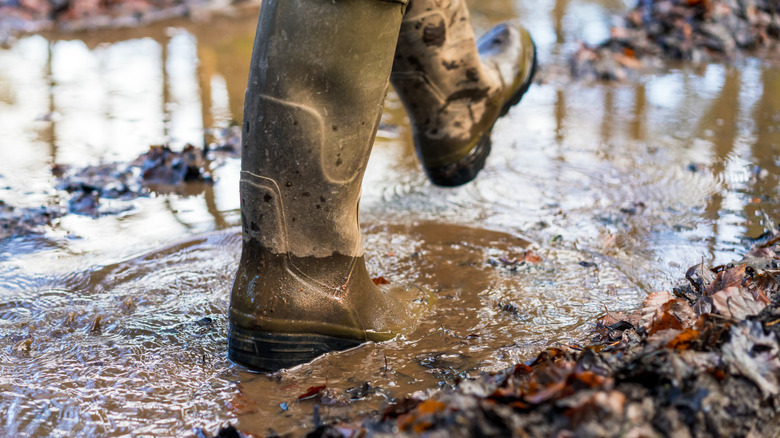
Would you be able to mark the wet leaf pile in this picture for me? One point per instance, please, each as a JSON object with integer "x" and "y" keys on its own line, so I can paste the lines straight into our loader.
{"x": 37, "y": 15}
{"x": 700, "y": 360}
{"x": 18, "y": 221}
{"x": 162, "y": 169}
{"x": 110, "y": 188}
{"x": 656, "y": 31}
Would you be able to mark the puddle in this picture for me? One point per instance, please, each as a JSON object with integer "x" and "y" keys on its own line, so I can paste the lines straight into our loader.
{"x": 116, "y": 326}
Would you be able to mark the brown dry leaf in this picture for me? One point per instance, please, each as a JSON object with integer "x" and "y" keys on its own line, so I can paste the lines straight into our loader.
{"x": 598, "y": 405}
{"x": 312, "y": 392}
{"x": 532, "y": 257}
{"x": 732, "y": 277}
{"x": 703, "y": 305}
{"x": 663, "y": 337}
{"x": 430, "y": 407}
{"x": 503, "y": 393}
{"x": 551, "y": 391}
{"x": 700, "y": 276}
{"x": 629, "y": 62}
{"x": 683, "y": 311}
{"x": 675, "y": 314}
{"x": 765, "y": 283}
{"x": 762, "y": 252}
{"x": 588, "y": 379}
{"x": 736, "y": 303}
{"x": 521, "y": 369}
{"x": 612, "y": 318}
{"x": 380, "y": 281}
{"x": 652, "y": 303}
{"x": 240, "y": 404}
{"x": 422, "y": 427}
{"x": 683, "y": 340}
{"x": 416, "y": 421}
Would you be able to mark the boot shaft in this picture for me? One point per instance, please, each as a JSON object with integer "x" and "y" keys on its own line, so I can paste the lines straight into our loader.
{"x": 317, "y": 82}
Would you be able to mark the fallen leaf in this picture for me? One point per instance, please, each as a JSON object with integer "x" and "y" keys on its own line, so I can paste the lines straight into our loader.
{"x": 551, "y": 391}
{"x": 754, "y": 354}
{"x": 663, "y": 337}
{"x": 312, "y": 392}
{"x": 651, "y": 305}
{"x": 240, "y": 404}
{"x": 732, "y": 277}
{"x": 700, "y": 277}
{"x": 683, "y": 340}
{"x": 380, "y": 281}
{"x": 669, "y": 313}
{"x": 430, "y": 407}
{"x": 736, "y": 303}
{"x": 612, "y": 318}
{"x": 23, "y": 345}
{"x": 532, "y": 257}
{"x": 587, "y": 379}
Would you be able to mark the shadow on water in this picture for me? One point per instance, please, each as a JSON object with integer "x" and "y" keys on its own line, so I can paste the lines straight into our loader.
{"x": 595, "y": 195}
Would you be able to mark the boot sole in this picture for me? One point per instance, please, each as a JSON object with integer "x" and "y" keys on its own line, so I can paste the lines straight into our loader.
{"x": 467, "y": 168}
{"x": 263, "y": 351}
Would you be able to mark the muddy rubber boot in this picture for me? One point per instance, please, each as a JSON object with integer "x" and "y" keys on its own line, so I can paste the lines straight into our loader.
{"x": 454, "y": 89}
{"x": 318, "y": 79}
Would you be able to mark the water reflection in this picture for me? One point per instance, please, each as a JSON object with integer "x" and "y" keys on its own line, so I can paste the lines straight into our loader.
{"x": 640, "y": 180}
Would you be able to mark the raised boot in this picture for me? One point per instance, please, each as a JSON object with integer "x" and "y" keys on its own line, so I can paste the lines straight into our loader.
{"x": 454, "y": 88}
{"x": 318, "y": 79}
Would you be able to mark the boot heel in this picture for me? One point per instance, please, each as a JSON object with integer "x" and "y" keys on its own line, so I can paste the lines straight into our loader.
{"x": 274, "y": 351}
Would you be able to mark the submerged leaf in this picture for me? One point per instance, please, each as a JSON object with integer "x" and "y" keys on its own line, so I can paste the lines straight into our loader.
{"x": 312, "y": 392}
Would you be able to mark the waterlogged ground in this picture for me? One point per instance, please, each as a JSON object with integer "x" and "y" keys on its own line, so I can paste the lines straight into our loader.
{"x": 594, "y": 196}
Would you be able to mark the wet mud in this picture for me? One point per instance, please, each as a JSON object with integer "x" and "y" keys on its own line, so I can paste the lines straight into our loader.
{"x": 699, "y": 361}
{"x": 595, "y": 197}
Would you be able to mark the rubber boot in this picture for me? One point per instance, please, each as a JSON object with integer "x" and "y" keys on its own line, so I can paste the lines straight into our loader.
{"x": 454, "y": 89}
{"x": 319, "y": 76}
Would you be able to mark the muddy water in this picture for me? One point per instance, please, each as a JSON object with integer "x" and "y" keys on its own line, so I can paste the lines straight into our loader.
{"x": 116, "y": 326}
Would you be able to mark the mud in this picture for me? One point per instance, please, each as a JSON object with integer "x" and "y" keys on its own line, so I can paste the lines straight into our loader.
{"x": 702, "y": 361}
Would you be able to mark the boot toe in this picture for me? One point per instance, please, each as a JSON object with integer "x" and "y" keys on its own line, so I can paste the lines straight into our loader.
{"x": 509, "y": 49}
